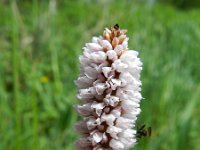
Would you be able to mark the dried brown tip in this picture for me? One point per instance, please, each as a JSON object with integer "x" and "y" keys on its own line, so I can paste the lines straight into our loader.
{"x": 116, "y": 27}
{"x": 115, "y": 35}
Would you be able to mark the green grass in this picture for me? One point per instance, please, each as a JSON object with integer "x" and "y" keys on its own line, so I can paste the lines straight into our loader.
{"x": 40, "y": 42}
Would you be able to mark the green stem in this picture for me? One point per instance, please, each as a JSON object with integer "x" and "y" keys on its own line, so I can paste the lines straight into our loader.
{"x": 35, "y": 112}
{"x": 54, "y": 51}
{"x": 15, "y": 64}
{"x": 34, "y": 93}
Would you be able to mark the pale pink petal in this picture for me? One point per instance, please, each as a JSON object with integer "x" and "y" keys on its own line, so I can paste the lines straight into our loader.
{"x": 114, "y": 131}
{"x": 119, "y": 66}
{"x": 84, "y": 142}
{"x": 128, "y": 133}
{"x": 100, "y": 88}
{"x": 84, "y": 60}
{"x": 116, "y": 145}
{"x": 111, "y": 100}
{"x": 118, "y": 48}
{"x": 128, "y": 104}
{"x": 98, "y": 56}
{"x": 83, "y": 82}
{"x": 114, "y": 83}
{"x": 129, "y": 56}
{"x": 128, "y": 142}
{"x": 106, "y": 45}
{"x": 84, "y": 109}
{"x": 81, "y": 127}
{"x": 97, "y": 137}
{"x": 98, "y": 107}
{"x": 86, "y": 93}
{"x": 95, "y": 39}
{"x": 112, "y": 55}
{"x": 124, "y": 123}
{"x": 94, "y": 46}
{"x": 91, "y": 72}
{"x": 108, "y": 118}
{"x": 106, "y": 71}
{"x": 116, "y": 112}
{"x": 91, "y": 123}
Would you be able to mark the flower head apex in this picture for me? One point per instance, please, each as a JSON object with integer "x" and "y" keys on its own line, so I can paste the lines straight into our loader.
{"x": 109, "y": 90}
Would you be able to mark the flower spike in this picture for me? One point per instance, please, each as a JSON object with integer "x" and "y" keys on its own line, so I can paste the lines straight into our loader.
{"x": 109, "y": 89}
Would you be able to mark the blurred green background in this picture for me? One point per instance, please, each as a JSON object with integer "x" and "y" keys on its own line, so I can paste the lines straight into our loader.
{"x": 40, "y": 41}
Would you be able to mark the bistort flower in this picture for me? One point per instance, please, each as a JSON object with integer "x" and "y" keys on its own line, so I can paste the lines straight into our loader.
{"x": 109, "y": 89}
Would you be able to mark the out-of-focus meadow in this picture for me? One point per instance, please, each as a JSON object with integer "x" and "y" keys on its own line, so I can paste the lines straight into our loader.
{"x": 40, "y": 42}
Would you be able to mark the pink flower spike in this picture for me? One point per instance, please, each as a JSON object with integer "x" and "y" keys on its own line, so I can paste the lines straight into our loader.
{"x": 109, "y": 90}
